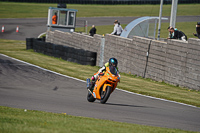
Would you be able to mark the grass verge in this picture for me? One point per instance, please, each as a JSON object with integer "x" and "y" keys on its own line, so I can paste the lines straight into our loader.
{"x": 22, "y": 121}
{"x": 17, "y": 49}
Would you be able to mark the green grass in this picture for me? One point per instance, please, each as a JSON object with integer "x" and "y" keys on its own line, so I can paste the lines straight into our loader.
{"x": 37, "y": 10}
{"x": 28, "y": 121}
{"x": 17, "y": 49}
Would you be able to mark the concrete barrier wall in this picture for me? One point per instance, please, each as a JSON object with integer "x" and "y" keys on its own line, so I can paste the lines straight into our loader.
{"x": 156, "y": 61}
{"x": 175, "y": 62}
{"x": 192, "y": 75}
{"x": 176, "y": 59}
{"x": 131, "y": 53}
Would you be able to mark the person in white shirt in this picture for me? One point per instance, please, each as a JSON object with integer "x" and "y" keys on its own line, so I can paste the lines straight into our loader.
{"x": 117, "y": 29}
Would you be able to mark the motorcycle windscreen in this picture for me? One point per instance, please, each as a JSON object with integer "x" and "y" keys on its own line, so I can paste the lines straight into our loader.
{"x": 113, "y": 70}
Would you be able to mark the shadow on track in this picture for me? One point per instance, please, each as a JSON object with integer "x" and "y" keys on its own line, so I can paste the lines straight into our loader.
{"x": 126, "y": 105}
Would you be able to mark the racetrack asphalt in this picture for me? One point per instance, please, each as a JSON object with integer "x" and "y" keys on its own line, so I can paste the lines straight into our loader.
{"x": 29, "y": 87}
{"x": 33, "y": 27}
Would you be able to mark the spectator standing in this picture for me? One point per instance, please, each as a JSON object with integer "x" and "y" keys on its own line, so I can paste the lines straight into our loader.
{"x": 93, "y": 30}
{"x": 197, "y": 30}
{"x": 117, "y": 28}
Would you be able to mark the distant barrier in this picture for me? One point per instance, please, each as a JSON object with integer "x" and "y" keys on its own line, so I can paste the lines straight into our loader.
{"x": 71, "y": 54}
{"x": 110, "y": 2}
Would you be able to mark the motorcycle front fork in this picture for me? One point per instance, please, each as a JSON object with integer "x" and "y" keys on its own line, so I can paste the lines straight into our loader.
{"x": 90, "y": 85}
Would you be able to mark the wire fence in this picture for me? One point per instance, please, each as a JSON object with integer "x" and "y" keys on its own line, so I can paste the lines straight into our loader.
{"x": 111, "y": 2}
{"x": 83, "y": 25}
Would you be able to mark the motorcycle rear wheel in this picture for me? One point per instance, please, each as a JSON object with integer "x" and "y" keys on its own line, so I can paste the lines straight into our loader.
{"x": 90, "y": 98}
{"x": 105, "y": 95}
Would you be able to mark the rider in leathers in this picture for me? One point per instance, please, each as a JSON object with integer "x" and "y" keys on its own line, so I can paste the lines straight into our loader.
{"x": 112, "y": 61}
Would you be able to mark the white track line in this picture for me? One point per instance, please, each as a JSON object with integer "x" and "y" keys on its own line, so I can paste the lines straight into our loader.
{"x": 42, "y": 68}
{"x": 85, "y": 81}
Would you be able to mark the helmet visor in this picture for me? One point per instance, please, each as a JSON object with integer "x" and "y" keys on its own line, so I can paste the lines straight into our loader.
{"x": 113, "y": 70}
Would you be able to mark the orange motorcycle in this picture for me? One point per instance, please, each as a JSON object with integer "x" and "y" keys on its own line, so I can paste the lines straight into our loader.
{"x": 105, "y": 84}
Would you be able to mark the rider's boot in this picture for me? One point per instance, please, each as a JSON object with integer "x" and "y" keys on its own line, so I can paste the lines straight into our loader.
{"x": 92, "y": 83}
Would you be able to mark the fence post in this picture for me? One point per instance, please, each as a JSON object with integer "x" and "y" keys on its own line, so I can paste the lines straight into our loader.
{"x": 86, "y": 25}
{"x": 102, "y": 51}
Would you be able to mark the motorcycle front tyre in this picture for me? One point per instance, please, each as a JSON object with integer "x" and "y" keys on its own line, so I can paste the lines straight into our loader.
{"x": 90, "y": 98}
{"x": 106, "y": 95}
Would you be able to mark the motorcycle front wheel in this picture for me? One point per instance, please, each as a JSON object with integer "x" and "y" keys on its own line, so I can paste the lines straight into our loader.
{"x": 90, "y": 98}
{"x": 105, "y": 95}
